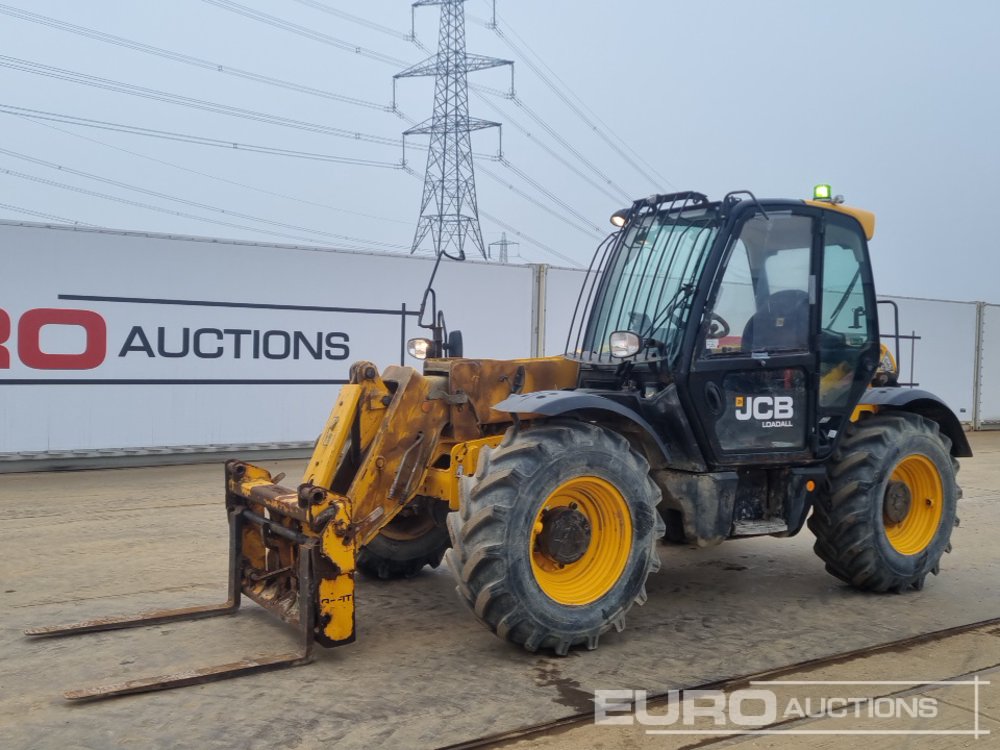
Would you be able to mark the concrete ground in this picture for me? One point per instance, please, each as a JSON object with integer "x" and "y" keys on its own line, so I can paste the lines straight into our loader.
{"x": 424, "y": 673}
{"x": 953, "y": 713}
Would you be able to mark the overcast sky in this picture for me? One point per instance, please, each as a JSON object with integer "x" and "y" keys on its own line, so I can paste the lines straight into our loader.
{"x": 894, "y": 103}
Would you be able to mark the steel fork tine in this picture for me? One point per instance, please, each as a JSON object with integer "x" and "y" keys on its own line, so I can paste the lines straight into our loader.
{"x": 306, "y": 619}
{"x": 133, "y": 621}
{"x": 189, "y": 677}
{"x": 157, "y": 617}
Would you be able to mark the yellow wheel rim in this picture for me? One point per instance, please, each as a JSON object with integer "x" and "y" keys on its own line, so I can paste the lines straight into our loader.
{"x": 591, "y": 576}
{"x": 912, "y": 534}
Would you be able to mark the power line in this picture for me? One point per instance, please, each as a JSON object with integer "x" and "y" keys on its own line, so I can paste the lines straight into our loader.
{"x": 583, "y": 104}
{"x": 550, "y": 195}
{"x": 158, "y": 209}
{"x": 411, "y": 37}
{"x": 499, "y": 222}
{"x": 480, "y": 89}
{"x": 48, "y": 71}
{"x": 641, "y": 168}
{"x": 35, "y": 114}
{"x": 185, "y": 201}
{"x": 356, "y": 19}
{"x": 39, "y": 214}
{"x": 184, "y": 138}
{"x": 551, "y": 151}
{"x": 603, "y": 176}
{"x": 297, "y": 199}
{"x": 279, "y": 23}
{"x": 534, "y": 201}
{"x": 185, "y": 59}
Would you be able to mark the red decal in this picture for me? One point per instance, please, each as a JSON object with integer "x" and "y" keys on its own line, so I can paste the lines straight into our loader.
{"x": 29, "y": 339}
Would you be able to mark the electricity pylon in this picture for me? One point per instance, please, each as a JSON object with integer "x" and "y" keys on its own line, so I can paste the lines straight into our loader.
{"x": 502, "y": 245}
{"x": 449, "y": 211}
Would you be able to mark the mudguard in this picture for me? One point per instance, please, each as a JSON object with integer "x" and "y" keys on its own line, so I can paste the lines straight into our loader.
{"x": 925, "y": 404}
{"x": 581, "y": 403}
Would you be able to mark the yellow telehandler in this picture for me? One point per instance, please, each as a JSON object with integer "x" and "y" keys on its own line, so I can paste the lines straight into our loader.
{"x": 723, "y": 377}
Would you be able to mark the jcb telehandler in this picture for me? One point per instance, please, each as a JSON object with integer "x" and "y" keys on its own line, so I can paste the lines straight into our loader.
{"x": 722, "y": 379}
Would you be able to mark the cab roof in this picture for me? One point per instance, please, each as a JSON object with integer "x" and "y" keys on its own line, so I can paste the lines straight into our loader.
{"x": 865, "y": 218}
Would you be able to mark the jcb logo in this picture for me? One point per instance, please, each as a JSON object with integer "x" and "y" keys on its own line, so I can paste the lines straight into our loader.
{"x": 764, "y": 407}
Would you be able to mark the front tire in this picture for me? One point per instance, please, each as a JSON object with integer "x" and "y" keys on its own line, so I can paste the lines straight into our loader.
{"x": 886, "y": 515}
{"x": 556, "y": 535}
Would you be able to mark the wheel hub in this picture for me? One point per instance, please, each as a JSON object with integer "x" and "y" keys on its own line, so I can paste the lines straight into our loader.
{"x": 898, "y": 500}
{"x": 565, "y": 534}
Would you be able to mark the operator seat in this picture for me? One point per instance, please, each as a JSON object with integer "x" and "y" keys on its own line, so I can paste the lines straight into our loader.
{"x": 781, "y": 323}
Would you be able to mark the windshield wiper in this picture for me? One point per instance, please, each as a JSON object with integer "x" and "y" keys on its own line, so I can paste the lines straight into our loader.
{"x": 679, "y": 297}
{"x": 843, "y": 300}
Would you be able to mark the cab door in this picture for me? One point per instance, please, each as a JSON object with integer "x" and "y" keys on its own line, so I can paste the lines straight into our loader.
{"x": 753, "y": 367}
{"x": 848, "y": 341}
{"x": 789, "y": 339}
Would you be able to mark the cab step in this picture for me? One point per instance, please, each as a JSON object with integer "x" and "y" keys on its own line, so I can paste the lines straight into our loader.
{"x": 759, "y": 526}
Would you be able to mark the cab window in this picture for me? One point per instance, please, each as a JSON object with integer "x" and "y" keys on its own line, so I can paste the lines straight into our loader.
{"x": 847, "y": 324}
{"x": 762, "y": 301}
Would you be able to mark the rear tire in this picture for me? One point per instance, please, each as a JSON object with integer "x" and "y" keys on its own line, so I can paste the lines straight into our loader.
{"x": 556, "y": 535}
{"x": 414, "y": 538}
{"x": 885, "y": 517}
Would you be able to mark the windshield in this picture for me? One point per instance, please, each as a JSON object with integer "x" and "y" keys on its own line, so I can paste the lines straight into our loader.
{"x": 645, "y": 284}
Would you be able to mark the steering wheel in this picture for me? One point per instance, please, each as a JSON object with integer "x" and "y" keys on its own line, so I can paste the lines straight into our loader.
{"x": 715, "y": 326}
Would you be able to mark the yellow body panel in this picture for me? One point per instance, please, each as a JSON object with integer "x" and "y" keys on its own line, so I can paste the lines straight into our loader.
{"x": 330, "y": 446}
{"x": 862, "y": 409}
{"x": 398, "y": 454}
{"x": 336, "y": 594}
{"x": 443, "y": 483}
{"x": 485, "y": 382}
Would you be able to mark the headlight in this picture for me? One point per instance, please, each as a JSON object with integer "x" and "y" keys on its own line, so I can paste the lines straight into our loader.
{"x": 419, "y": 348}
{"x": 624, "y": 344}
